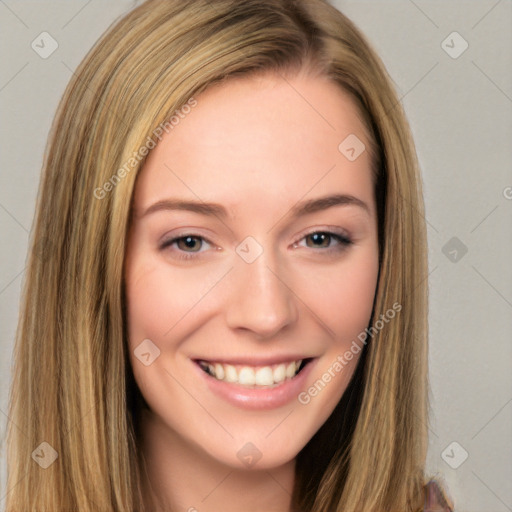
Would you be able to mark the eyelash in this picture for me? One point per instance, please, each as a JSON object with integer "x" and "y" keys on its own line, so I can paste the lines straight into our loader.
{"x": 343, "y": 243}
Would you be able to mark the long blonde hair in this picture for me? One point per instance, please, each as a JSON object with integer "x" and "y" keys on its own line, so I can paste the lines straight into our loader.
{"x": 72, "y": 384}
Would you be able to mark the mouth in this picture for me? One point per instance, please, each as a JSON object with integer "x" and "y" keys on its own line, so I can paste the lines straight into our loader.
{"x": 254, "y": 377}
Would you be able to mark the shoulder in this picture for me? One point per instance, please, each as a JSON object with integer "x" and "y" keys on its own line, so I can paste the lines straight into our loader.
{"x": 436, "y": 499}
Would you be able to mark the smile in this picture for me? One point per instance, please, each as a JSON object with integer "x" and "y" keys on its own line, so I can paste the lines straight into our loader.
{"x": 253, "y": 376}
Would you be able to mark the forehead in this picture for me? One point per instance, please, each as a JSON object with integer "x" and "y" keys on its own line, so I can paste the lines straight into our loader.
{"x": 261, "y": 136}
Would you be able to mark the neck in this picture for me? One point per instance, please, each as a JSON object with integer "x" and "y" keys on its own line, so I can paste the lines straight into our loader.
{"x": 181, "y": 477}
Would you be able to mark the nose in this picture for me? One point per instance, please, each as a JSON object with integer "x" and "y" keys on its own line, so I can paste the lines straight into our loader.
{"x": 261, "y": 300}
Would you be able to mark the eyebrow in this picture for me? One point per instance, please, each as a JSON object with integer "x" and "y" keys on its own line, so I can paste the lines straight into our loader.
{"x": 302, "y": 208}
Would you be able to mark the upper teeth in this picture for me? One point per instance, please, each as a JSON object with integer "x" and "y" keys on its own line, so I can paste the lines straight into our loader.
{"x": 251, "y": 375}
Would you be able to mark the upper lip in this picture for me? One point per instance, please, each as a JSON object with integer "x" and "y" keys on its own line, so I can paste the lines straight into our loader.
{"x": 254, "y": 361}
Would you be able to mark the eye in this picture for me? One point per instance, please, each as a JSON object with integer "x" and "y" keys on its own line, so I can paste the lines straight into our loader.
{"x": 324, "y": 239}
{"x": 187, "y": 246}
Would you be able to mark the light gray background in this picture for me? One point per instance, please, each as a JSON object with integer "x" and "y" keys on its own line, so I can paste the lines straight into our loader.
{"x": 460, "y": 112}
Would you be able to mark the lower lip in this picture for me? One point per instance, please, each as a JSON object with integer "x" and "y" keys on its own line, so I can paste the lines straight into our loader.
{"x": 258, "y": 398}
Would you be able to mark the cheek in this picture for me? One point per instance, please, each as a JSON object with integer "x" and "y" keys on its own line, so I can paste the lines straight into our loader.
{"x": 158, "y": 299}
{"x": 344, "y": 301}
{"x": 344, "y": 295}
{"x": 149, "y": 310}
{"x": 159, "y": 304}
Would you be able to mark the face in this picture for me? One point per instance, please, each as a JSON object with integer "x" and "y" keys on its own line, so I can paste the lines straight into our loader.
{"x": 251, "y": 268}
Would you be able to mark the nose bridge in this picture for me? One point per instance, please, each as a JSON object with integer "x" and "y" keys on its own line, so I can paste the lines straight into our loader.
{"x": 260, "y": 301}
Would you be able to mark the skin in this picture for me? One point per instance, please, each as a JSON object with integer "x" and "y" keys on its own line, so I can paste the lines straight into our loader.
{"x": 257, "y": 146}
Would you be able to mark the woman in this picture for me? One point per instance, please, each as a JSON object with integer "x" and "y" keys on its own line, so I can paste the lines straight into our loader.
{"x": 227, "y": 307}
